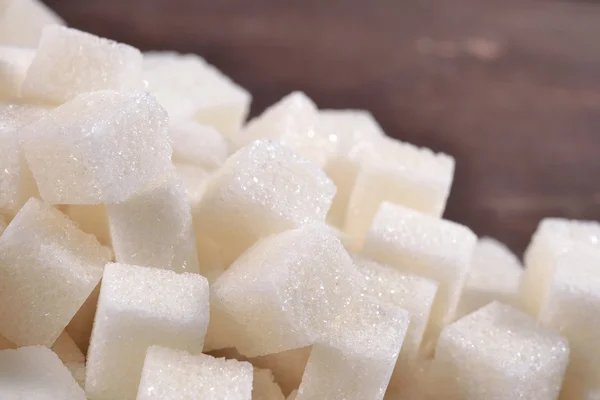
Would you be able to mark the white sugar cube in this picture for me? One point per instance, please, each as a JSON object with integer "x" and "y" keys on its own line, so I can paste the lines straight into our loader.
{"x": 22, "y": 22}
{"x": 100, "y": 147}
{"x": 91, "y": 219}
{"x": 69, "y": 62}
{"x": 264, "y": 386}
{"x": 48, "y": 268}
{"x": 154, "y": 228}
{"x": 197, "y": 144}
{"x": 357, "y": 360}
{"x": 399, "y": 173}
{"x": 195, "y": 179}
{"x": 35, "y": 372}
{"x": 189, "y": 88}
{"x": 287, "y": 366}
{"x": 192, "y": 377}
{"x": 498, "y": 352}
{"x": 423, "y": 245}
{"x": 495, "y": 275}
{"x": 287, "y": 289}
{"x": 552, "y": 238}
{"x": 68, "y": 352}
{"x": 80, "y": 327}
{"x": 14, "y": 62}
{"x": 262, "y": 189}
{"x": 139, "y": 307}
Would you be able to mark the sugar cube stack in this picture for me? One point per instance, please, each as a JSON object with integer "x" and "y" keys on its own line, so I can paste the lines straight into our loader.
{"x": 22, "y": 22}
{"x": 264, "y": 386}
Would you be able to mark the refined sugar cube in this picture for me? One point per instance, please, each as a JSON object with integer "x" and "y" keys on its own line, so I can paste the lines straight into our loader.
{"x": 14, "y": 62}
{"x": 194, "y": 179}
{"x": 48, "y": 268}
{"x": 495, "y": 275}
{"x": 262, "y": 189}
{"x": 91, "y": 219}
{"x": 399, "y": 173}
{"x": 552, "y": 238}
{"x": 197, "y": 144}
{"x": 80, "y": 327}
{"x": 139, "y": 307}
{"x": 352, "y": 364}
{"x": 423, "y": 245}
{"x": 287, "y": 366}
{"x": 68, "y": 352}
{"x": 189, "y": 88}
{"x": 264, "y": 386}
{"x": 22, "y": 22}
{"x": 35, "y": 372}
{"x": 69, "y": 62}
{"x": 498, "y": 352}
{"x": 191, "y": 377}
{"x": 155, "y": 229}
{"x": 287, "y": 289}
{"x": 100, "y": 147}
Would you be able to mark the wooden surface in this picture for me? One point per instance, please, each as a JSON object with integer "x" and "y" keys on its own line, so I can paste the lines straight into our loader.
{"x": 511, "y": 88}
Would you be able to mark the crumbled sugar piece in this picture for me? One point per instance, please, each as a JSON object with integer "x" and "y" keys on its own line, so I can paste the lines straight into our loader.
{"x": 262, "y": 189}
{"x": 100, "y": 147}
{"x": 287, "y": 289}
{"x": 264, "y": 386}
{"x": 154, "y": 228}
{"x": 35, "y": 372}
{"x": 14, "y": 62}
{"x": 91, "y": 219}
{"x": 139, "y": 307}
{"x": 495, "y": 275}
{"x": 423, "y": 245}
{"x": 80, "y": 327}
{"x": 195, "y": 180}
{"x": 498, "y": 352}
{"x": 189, "y": 88}
{"x": 48, "y": 267}
{"x": 357, "y": 361}
{"x": 197, "y": 144}
{"x": 69, "y": 62}
{"x": 191, "y": 377}
{"x": 287, "y": 366}
{"x": 22, "y": 22}
{"x": 552, "y": 238}
{"x": 399, "y": 173}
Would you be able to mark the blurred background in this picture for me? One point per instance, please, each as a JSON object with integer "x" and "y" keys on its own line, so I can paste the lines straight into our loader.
{"x": 510, "y": 88}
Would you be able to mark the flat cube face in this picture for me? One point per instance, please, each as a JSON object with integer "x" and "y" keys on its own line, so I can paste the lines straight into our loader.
{"x": 501, "y": 353}
{"x": 14, "y": 62}
{"x": 101, "y": 147}
{"x": 261, "y": 190}
{"x": 139, "y": 307}
{"x": 48, "y": 268}
{"x": 36, "y": 373}
{"x": 264, "y": 386}
{"x": 286, "y": 289}
{"x": 193, "y": 377}
{"x": 197, "y": 144}
{"x": 22, "y": 22}
{"x": 69, "y": 62}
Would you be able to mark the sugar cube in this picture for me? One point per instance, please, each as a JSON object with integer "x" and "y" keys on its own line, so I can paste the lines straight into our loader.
{"x": 68, "y": 352}
{"x": 35, "y": 372}
{"x": 22, "y": 21}
{"x": 91, "y": 219}
{"x": 264, "y": 386}
{"x": 423, "y": 245}
{"x": 287, "y": 366}
{"x": 398, "y": 173}
{"x": 100, "y": 147}
{"x": 154, "y": 228}
{"x": 351, "y": 365}
{"x": 14, "y": 62}
{"x": 262, "y": 189}
{"x": 287, "y": 289}
{"x": 69, "y": 62}
{"x": 553, "y": 237}
{"x": 189, "y": 88}
{"x": 495, "y": 275}
{"x": 80, "y": 327}
{"x": 48, "y": 267}
{"x": 139, "y": 307}
{"x": 498, "y": 352}
{"x": 193, "y": 377}
{"x": 197, "y": 144}
{"x": 194, "y": 179}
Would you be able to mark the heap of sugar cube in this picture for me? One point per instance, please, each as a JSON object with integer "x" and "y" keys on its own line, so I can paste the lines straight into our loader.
{"x": 155, "y": 243}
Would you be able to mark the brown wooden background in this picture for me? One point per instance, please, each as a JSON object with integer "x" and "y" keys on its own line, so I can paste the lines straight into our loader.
{"x": 511, "y": 88}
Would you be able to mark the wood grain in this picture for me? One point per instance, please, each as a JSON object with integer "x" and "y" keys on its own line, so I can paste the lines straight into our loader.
{"x": 511, "y": 88}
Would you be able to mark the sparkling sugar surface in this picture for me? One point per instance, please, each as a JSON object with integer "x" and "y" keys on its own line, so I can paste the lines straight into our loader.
{"x": 155, "y": 229}
{"x": 69, "y": 62}
{"x": 553, "y": 237}
{"x": 287, "y": 289}
{"x": 262, "y": 189}
{"x": 22, "y": 22}
{"x": 176, "y": 375}
{"x": 264, "y": 386}
{"x": 14, "y": 62}
{"x": 100, "y": 147}
{"x": 140, "y": 307}
{"x": 423, "y": 245}
{"x": 35, "y": 372}
{"x": 198, "y": 144}
{"x": 48, "y": 268}
{"x": 499, "y": 353}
